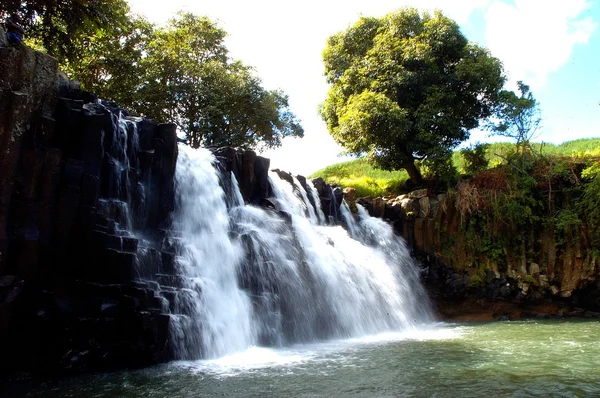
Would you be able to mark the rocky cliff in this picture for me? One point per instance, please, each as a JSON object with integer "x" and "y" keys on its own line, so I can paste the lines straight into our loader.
{"x": 539, "y": 272}
{"x": 86, "y": 194}
{"x": 72, "y": 180}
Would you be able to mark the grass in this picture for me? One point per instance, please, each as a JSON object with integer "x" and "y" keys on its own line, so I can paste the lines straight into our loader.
{"x": 586, "y": 147}
{"x": 366, "y": 179}
{"x": 370, "y": 181}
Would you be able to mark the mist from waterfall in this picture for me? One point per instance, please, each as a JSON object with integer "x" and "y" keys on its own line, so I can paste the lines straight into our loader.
{"x": 258, "y": 276}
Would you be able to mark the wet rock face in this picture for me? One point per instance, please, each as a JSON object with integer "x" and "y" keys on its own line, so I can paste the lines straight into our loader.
{"x": 251, "y": 172}
{"x": 331, "y": 197}
{"x": 79, "y": 181}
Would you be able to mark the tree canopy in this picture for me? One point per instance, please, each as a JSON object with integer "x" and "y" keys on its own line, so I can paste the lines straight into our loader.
{"x": 179, "y": 73}
{"x": 59, "y": 26}
{"x": 190, "y": 79}
{"x": 407, "y": 86}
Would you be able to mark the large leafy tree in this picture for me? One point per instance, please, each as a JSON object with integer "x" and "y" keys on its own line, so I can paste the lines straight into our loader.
{"x": 190, "y": 79}
{"x": 110, "y": 62}
{"x": 407, "y": 86}
{"x": 59, "y": 26}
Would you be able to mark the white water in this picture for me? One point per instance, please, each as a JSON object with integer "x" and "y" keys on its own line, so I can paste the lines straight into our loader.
{"x": 312, "y": 215}
{"x": 216, "y": 312}
{"x": 262, "y": 360}
{"x": 254, "y": 276}
{"x": 315, "y": 197}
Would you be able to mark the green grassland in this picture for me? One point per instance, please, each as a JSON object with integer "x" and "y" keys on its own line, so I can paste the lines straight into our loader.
{"x": 366, "y": 179}
{"x": 370, "y": 181}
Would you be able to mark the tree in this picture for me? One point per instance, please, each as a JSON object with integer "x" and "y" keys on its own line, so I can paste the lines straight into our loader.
{"x": 110, "y": 61}
{"x": 517, "y": 116}
{"x": 188, "y": 78}
{"x": 182, "y": 73}
{"x": 407, "y": 86}
{"x": 60, "y": 25}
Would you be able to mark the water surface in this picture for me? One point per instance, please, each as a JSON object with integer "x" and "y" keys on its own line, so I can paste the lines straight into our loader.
{"x": 521, "y": 359}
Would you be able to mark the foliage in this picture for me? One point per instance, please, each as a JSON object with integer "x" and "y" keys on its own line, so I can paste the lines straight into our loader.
{"x": 190, "y": 80}
{"x": 589, "y": 202}
{"x": 439, "y": 170}
{"x": 111, "y": 62}
{"x": 405, "y": 87}
{"x": 566, "y": 218}
{"x": 475, "y": 158}
{"x": 556, "y": 172}
{"x": 497, "y": 153}
{"x": 518, "y": 117}
{"x": 580, "y": 148}
{"x": 530, "y": 279}
{"x": 59, "y": 26}
{"x": 362, "y": 176}
{"x": 476, "y": 282}
{"x": 182, "y": 73}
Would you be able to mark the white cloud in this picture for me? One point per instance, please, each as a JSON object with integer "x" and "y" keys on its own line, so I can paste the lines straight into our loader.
{"x": 536, "y": 37}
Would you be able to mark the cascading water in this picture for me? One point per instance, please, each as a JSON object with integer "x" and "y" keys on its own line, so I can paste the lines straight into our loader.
{"x": 122, "y": 157}
{"x": 275, "y": 276}
{"x": 310, "y": 210}
{"x": 315, "y": 199}
{"x": 215, "y": 311}
{"x": 349, "y": 221}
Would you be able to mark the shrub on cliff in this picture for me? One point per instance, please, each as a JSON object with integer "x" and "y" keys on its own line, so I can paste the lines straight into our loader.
{"x": 589, "y": 202}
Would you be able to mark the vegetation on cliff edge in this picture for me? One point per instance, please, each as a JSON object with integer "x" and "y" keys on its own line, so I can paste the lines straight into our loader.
{"x": 371, "y": 181}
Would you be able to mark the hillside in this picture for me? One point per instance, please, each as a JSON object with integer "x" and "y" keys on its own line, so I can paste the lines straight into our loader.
{"x": 370, "y": 181}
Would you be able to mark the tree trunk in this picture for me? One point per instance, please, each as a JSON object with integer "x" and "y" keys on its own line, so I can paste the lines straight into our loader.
{"x": 413, "y": 172}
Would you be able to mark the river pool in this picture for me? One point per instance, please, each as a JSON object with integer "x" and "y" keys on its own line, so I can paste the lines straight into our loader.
{"x": 529, "y": 358}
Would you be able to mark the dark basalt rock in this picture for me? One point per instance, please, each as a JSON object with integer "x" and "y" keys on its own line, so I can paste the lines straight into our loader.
{"x": 250, "y": 171}
{"x": 68, "y": 195}
{"x": 89, "y": 273}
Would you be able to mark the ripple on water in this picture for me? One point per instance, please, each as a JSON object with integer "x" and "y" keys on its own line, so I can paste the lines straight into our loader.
{"x": 542, "y": 358}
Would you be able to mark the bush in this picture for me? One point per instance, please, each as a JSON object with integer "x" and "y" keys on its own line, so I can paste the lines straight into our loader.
{"x": 475, "y": 158}
{"x": 589, "y": 204}
{"x": 476, "y": 281}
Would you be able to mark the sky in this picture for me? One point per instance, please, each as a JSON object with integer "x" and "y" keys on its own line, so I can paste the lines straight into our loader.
{"x": 552, "y": 45}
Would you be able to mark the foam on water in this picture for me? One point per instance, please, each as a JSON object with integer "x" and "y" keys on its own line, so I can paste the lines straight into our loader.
{"x": 295, "y": 358}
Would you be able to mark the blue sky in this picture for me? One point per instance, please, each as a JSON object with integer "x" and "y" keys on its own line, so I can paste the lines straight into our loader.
{"x": 570, "y": 95}
{"x": 553, "y": 45}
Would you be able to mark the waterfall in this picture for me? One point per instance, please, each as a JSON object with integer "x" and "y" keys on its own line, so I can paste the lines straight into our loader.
{"x": 214, "y": 311}
{"x": 315, "y": 198}
{"x": 312, "y": 216}
{"x": 258, "y": 276}
{"x": 349, "y": 221}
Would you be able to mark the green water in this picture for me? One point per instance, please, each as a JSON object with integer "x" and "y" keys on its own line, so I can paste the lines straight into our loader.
{"x": 521, "y": 359}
